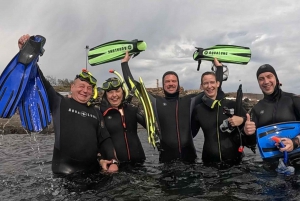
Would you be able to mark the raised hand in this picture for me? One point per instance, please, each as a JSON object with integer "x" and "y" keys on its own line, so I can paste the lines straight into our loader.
{"x": 126, "y": 57}
{"x": 22, "y": 40}
{"x": 217, "y": 63}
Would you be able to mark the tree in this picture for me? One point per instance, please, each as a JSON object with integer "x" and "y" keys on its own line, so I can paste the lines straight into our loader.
{"x": 64, "y": 82}
{"x": 52, "y": 80}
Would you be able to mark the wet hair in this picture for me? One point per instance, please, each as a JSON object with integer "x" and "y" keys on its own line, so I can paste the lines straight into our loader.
{"x": 208, "y": 73}
{"x": 170, "y": 73}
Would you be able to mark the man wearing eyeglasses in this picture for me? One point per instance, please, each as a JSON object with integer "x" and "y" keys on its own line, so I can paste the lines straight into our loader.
{"x": 80, "y": 135}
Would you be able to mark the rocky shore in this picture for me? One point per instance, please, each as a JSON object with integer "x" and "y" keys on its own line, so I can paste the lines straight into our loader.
{"x": 13, "y": 126}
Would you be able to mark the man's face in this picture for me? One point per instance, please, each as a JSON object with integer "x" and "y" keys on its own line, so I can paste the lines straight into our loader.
{"x": 81, "y": 91}
{"x": 115, "y": 97}
{"x": 170, "y": 83}
{"x": 267, "y": 82}
{"x": 210, "y": 86}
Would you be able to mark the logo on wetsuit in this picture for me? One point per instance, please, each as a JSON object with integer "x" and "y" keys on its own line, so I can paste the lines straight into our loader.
{"x": 84, "y": 114}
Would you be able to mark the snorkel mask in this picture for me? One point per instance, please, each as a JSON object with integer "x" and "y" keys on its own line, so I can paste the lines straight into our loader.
{"x": 225, "y": 71}
{"x": 112, "y": 83}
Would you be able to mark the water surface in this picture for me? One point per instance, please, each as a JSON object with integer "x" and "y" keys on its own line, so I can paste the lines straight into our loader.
{"x": 25, "y": 174}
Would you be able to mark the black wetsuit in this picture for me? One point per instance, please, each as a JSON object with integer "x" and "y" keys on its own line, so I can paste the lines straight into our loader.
{"x": 173, "y": 115}
{"x": 268, "y": 111}
{"x": 278, "y": 107}
{"x": 121, "y": 124}
{"x": 220, "y": 148}
{"x": 79, "y": 135}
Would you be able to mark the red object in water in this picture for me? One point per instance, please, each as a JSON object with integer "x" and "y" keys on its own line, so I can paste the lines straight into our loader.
{"x": 241, "y": 148}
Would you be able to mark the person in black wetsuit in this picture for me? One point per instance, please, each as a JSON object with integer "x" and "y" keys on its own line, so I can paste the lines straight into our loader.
{"x": 222, "y": 144}
{"x": 80, "y": 134}
{"x": 121, "y": 120}
{"x": 173, "y": 114}
{"x": 276, "y": 106}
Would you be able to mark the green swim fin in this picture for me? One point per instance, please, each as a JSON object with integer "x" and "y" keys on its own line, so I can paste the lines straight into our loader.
{"x": 153, "y": 126}
{"x": 115, "y": 50}
{"x": 224, "y": 53}
{"x": 138, "y": 94}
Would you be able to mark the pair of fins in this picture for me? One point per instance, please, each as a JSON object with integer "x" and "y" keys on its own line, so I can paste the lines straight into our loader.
{"x": 115, "y": 50}
{"x": 21, "y": 87}
{"x": 224, "y": 53}
{"x": 265, "y": 135}
{"x": 141, "y": 93}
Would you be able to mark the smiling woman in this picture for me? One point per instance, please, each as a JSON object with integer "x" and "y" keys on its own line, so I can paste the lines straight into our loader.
{"x": 121, "y": 121}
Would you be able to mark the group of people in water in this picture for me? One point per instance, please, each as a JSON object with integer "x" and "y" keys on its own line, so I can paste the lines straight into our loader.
{"x": 88, "y": 138}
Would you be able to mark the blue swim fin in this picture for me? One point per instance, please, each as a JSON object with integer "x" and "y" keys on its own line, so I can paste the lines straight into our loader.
{"x": 15, "y": 76}
{"x": 34, "y": 105}
{"x": 264, "y": 136}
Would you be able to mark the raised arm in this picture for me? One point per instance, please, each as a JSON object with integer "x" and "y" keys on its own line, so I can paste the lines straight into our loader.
{"x": 126, "y": 71}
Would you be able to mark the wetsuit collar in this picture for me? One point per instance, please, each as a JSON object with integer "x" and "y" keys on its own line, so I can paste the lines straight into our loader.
{"x": 275, "y": 95}
{"x": 212, "y": 103}
{"x": 173, "y": 96}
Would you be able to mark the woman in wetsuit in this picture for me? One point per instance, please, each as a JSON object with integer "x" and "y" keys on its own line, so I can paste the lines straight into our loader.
{"x": 121, "y": 122}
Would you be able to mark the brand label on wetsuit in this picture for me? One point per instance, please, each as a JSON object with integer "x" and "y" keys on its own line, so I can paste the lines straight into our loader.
{"x": 82, "y": 113}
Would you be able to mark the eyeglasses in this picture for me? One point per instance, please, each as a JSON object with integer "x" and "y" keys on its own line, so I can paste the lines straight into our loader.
{"x": 87, "y": 76}
{"x": 111, "y": 83}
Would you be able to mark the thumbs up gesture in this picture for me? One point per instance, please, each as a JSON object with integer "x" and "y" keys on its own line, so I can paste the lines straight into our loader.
{"x": 250, "y": 127}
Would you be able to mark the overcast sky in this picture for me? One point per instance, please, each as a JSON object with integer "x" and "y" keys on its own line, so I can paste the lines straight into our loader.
{"x": 171, "y": 30}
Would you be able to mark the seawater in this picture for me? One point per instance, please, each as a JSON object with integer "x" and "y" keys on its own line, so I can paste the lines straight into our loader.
{"x": 25, "y": 174}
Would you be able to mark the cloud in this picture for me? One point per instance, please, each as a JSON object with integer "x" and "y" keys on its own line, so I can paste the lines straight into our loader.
{"x": 171, "y": 31}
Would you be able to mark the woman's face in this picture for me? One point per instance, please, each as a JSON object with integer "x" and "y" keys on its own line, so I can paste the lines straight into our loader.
{"x": 115, "y": 97}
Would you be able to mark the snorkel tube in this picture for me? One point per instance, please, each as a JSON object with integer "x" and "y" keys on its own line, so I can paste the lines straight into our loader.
{"x": 281, "y": 145}
{"x": 283, "y": 168}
